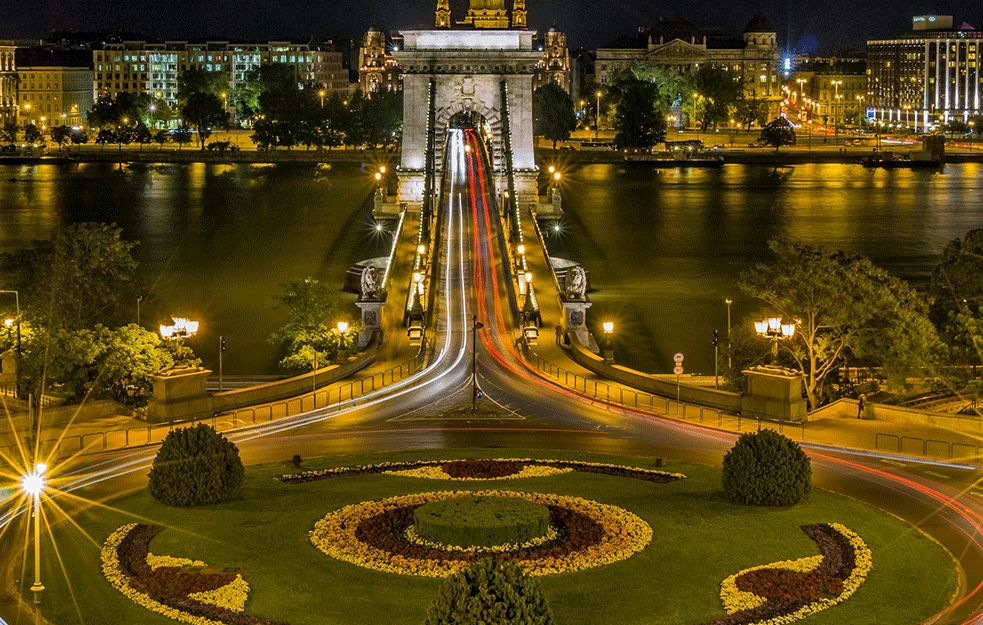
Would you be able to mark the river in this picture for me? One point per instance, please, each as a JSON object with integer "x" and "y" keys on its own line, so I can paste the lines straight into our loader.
{"x": 664, "y": 248}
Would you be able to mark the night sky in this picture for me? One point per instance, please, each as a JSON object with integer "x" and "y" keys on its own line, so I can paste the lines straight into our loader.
{"x": 803, "y": 25}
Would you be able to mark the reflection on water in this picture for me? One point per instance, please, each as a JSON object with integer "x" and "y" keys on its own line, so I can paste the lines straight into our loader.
{"x": 665, "y": 247}
{"x": 216, "y": 241}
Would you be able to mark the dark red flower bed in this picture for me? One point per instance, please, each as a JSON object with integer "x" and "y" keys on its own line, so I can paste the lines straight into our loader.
{"x": 387, "y": 532}
{"x": 484, "y": 469}
{"x": 170, "y": 586}
{"x": 788, "y": 591}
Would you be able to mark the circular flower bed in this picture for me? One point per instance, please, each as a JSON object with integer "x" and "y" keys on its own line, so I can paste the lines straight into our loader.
{"x": 494, "y": 469}
{"x": 373, "y": 534}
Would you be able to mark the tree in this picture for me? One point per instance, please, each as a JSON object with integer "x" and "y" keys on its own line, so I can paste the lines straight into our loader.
{"x": 195, "y": 466}
{"x": 956, "y": 294}
{"x": 109, "y": 112}
{"x": 79, "y": 137}
{"x": 490, "y": 591}
{"x": 552, "y": 111}
{"x": 61, "y": 135}
{"x": 105, "y": 136}
{"x": 311, "y": 328}
{"x": 197, "y": 80}
{"x": 181, "y": 136}
{"x": 842, "y": 305}
{"x": 718, "y": 90}
{"x": 161, "y": 137}
{"x": 778, "y": 132}
{"x": 32, "y": 134}
{"x": 202, "y": 111}
{"x": 82, "y": 276}
{"x": 141, "y": 134}
{"x": 673, "y": 88}
{"x": 638, "y": 122}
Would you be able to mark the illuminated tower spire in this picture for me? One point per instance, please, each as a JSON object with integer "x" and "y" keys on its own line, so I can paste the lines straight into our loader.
{"x": 519, "y": 14}
{"x": 443, "y": 14}
{"x": 487, "y": 14}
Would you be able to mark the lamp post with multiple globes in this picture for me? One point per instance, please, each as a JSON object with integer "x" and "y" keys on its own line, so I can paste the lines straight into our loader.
{"x": 774, "y": 330}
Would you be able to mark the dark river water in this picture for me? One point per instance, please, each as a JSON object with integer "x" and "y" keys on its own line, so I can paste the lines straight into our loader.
{"x": 664, "y": 248}
{"x": 215, "y": 241}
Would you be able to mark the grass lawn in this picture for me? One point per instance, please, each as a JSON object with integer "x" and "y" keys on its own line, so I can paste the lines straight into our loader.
{"x": 699, "y": 539}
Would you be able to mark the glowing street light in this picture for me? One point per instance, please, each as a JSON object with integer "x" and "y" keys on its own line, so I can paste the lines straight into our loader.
{"x": 33, "y": 485}
{"x": 608, "y": 331}
{"x": 182, "y": 329}
{"x": 773, "y": 329}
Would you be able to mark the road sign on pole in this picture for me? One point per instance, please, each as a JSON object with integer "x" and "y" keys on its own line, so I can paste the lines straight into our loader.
{"x": 678, "y": 358}
{"x": 678, "y": 370}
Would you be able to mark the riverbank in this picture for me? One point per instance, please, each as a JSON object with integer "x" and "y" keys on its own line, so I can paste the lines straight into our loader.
{"x": 748, "y": 156}
{"x": 174, "y": 155}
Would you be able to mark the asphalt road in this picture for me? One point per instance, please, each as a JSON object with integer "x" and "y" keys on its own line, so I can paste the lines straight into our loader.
{"x": 431, "y": 409}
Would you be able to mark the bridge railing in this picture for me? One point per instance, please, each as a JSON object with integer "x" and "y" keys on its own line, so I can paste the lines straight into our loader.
{"x": 338, "y": 396}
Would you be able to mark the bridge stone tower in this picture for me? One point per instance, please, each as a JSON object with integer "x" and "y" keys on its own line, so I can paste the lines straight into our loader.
{"x": 458, "y": 70}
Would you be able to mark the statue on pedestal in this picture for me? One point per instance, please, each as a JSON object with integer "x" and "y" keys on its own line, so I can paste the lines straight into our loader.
{"x": 575, "y": 285}
{"x": 370, "y": 283}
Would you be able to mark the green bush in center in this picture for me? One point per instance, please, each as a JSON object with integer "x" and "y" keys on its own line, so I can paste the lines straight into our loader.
{"x": 481, "y": 521}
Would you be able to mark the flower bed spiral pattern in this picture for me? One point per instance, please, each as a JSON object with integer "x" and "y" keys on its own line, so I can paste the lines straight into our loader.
{"x": 784, "y": 592}
{"x": 494, "y": 469}
{"x": 372, "y": 534}
{"x": 164, "y": 585}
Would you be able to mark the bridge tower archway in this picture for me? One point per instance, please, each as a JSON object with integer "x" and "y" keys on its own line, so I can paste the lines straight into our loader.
{"x": 485, "y": 72}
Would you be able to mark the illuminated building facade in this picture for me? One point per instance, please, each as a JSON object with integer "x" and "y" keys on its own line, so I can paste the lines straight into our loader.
{"x": 683, "y": 47}
{"x": 51, "y": 96}
{"x": 927, "y": 77}
{"x": 8, "y": 84}
{"x": 377, "y": 69}
{"x": 139, "y": 67}
{"x": 555, "y": 65}
{"x": 833, "y": 92}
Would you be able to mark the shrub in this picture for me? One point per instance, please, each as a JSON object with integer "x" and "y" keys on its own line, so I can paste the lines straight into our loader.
{"x": 766, "y": 469}
{"x": 490, "y": 592}
{"x": 481, "y": 521}
{"x": 195, "y": 466}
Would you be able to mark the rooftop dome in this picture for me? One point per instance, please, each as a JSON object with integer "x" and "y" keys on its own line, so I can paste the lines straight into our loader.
{"x": 759, "y": 24}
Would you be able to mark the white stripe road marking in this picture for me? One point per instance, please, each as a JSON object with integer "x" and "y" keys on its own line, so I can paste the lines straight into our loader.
{"x": 893, "y": 462}
{"x": 938, "y": 475}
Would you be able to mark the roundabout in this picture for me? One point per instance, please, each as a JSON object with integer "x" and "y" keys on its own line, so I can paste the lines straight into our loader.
{"x": 673, "y": 552}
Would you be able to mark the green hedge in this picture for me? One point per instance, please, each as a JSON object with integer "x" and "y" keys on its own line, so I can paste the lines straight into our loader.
{"x": 481, "y": 521}
{"x": 493, "y": 593}
{"x": 195, "y": 466}
{"x": 766, "y": 469}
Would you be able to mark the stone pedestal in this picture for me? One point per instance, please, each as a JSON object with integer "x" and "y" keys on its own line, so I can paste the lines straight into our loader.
{"x": 371, "y": 320}
{"x": 180, "y": 394}
{"x": 526, "y": 187}
{"x": 575, "y": 320}
{"x": 774, "y": 394}
{"x": 411, "y": 186}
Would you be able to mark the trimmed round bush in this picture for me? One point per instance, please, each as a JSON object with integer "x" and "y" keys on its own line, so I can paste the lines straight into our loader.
{"x": 195, "y": 466}
{"x": 766, "y": 469}
{"x": 481, "y": 521}
{"x": 490, "y": 592}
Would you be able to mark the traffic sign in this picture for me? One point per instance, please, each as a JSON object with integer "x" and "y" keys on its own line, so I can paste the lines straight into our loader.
{"x": 678, "y": 358}
{"x": 678, "y": 370}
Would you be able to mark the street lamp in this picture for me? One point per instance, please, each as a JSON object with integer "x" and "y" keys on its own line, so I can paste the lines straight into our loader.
{"x": 728, "y": 301}
{"x": 320, "y": 94}
{"x": 182, "y": 329}
{"x": 597, "y": 117}
{"x": 801, "y": 82}
{"x": 773, "y": 329}
{"x": 608, "y": 330}
{"x": 475, "y": 326}
{"x": 33, "y": 485}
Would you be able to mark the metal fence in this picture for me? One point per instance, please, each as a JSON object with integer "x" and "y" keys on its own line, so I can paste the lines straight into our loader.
{"x": 929, "y": 448}
{"x": 337, "y": 396}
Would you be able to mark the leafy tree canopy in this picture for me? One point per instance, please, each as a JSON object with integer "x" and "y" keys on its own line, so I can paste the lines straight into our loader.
{"x": 311, "y": 328}
{"x": 197, "y": 80}
{"x": 638, "y": 122}
{"x": 842, "y": 304}
{"x": 202, "y": 111}
{"x": 80, "y": 277}
{"x": 717, "y": 92}
{"x": 552, "y": 111}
